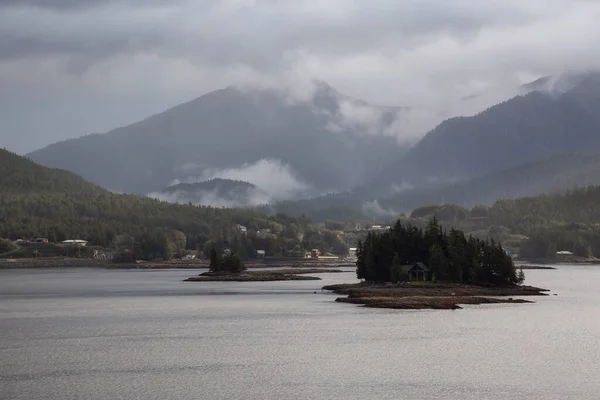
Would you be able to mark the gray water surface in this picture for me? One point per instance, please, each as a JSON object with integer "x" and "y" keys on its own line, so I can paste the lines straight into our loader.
{"x": 139, "y": 334}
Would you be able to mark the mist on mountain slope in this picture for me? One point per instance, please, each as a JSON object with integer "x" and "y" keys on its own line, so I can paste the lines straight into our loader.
{"x": 327, "y": 143}
{"x": 252, "y": 184}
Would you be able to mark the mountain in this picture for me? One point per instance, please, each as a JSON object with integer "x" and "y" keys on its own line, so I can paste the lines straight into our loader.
{"x": 21, "y": 175}
{"x": 215, "y": 192}
{"x": 325, "y": 142}
{"x": 526, "y": 128}
{"x": 554, "y": 174}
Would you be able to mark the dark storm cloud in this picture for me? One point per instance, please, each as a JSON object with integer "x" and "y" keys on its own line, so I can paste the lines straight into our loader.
{"x": 257, "y": 33}
{"x": 72, "y": 67}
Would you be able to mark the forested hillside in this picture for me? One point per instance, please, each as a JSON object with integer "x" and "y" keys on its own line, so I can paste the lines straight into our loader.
{"x": 21, "y": 175}
{"x": 39, "y": 202}
{"x": 535, "y": 227}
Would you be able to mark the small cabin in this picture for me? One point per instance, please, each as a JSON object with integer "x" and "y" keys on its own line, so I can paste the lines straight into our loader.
{"x": 417, "y": 272}
{"x": 261, "y": 253}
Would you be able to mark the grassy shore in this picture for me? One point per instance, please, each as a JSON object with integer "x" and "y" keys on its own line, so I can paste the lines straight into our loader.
{"x": 429, "y": 295}
{"x": 262, "y": 276}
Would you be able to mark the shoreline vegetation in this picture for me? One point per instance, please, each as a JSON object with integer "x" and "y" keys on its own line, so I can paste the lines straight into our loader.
{"x": 174, "y": 264}
{"x": 428, "y": 295}
{"x": 290, "y": 274}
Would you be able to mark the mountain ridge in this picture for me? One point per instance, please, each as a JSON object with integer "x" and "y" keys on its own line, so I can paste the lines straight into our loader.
{"x": 229, "y": 128}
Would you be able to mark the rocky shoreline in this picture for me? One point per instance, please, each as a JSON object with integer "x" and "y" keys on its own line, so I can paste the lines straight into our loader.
{"x": 418, "y": 297}
{"x": 262, "y": 276}
{"x": 526, "y": 267}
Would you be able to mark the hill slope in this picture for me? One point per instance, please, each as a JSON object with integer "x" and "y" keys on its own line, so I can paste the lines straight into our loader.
{"x": 328, "y": 142}
{"x": 40, "y": 202}
{"x": 556, "y": 173}
{"x": 553, "y": 174}
{"x": 21, "y": 175}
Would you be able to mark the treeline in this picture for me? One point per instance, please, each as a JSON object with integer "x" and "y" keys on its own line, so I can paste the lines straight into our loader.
{"x": 36, "y": 201}
{"x": 103, "y": 219}
{"x": 450, "y": 256}
{"x": 536, "y": 226}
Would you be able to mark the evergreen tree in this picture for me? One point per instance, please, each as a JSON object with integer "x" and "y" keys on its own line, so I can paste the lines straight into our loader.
{"x": 215, "y": 264}
{"x": 520, "y": 276}
{"x": 397, "y": 273}
{"x": 437, "y": 262}
{"x": 361, "y": 268}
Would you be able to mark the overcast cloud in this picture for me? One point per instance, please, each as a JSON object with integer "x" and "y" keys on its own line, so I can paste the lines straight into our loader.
{"x": 69, "y": 67}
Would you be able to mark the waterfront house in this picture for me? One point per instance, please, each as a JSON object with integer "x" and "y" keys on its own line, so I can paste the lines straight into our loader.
{"x": 417, "y": 271}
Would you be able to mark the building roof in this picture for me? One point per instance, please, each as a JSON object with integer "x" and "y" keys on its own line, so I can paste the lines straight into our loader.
{"x": 420, "y": 265}
{"x": 72, "y": 241}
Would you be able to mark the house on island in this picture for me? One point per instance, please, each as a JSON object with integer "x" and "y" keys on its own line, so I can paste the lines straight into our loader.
{"x": 417, "y": 271}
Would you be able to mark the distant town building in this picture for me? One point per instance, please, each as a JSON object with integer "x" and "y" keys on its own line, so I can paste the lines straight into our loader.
{"x": 564, "y": 253}
{"x": 313, "y": 254}
{"x": 76, "y": 242}
{"x": 379, "y": 227}
{"x": 242, "y": 228}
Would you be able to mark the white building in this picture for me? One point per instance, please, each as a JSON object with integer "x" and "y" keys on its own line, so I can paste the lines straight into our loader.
{"x": 77, "y": 242}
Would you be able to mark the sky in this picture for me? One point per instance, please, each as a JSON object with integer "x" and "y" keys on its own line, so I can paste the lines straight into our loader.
{"x": 75, "y": 67}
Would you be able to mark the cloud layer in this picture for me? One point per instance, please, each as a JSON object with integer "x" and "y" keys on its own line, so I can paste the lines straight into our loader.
{"x": 70, "y": 67}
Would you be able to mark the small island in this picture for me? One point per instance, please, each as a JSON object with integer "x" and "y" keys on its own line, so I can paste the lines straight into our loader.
{"x": 288, "y": 274}
{"x": 410, "y": 268}
{"x": 228, "y": 267}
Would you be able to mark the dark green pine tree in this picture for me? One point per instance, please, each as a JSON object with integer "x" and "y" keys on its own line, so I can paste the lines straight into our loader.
{"x": 520, "y": 277}
{"x": 215, "y": 264}
{"x": 397, "y": 273}
{"x": 361, "y": 268}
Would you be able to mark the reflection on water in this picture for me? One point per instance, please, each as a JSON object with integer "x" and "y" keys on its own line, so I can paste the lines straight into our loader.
{"x": 137, "y": 334}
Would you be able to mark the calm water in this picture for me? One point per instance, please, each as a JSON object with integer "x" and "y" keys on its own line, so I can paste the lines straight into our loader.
{"x": 96, "y": 334}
